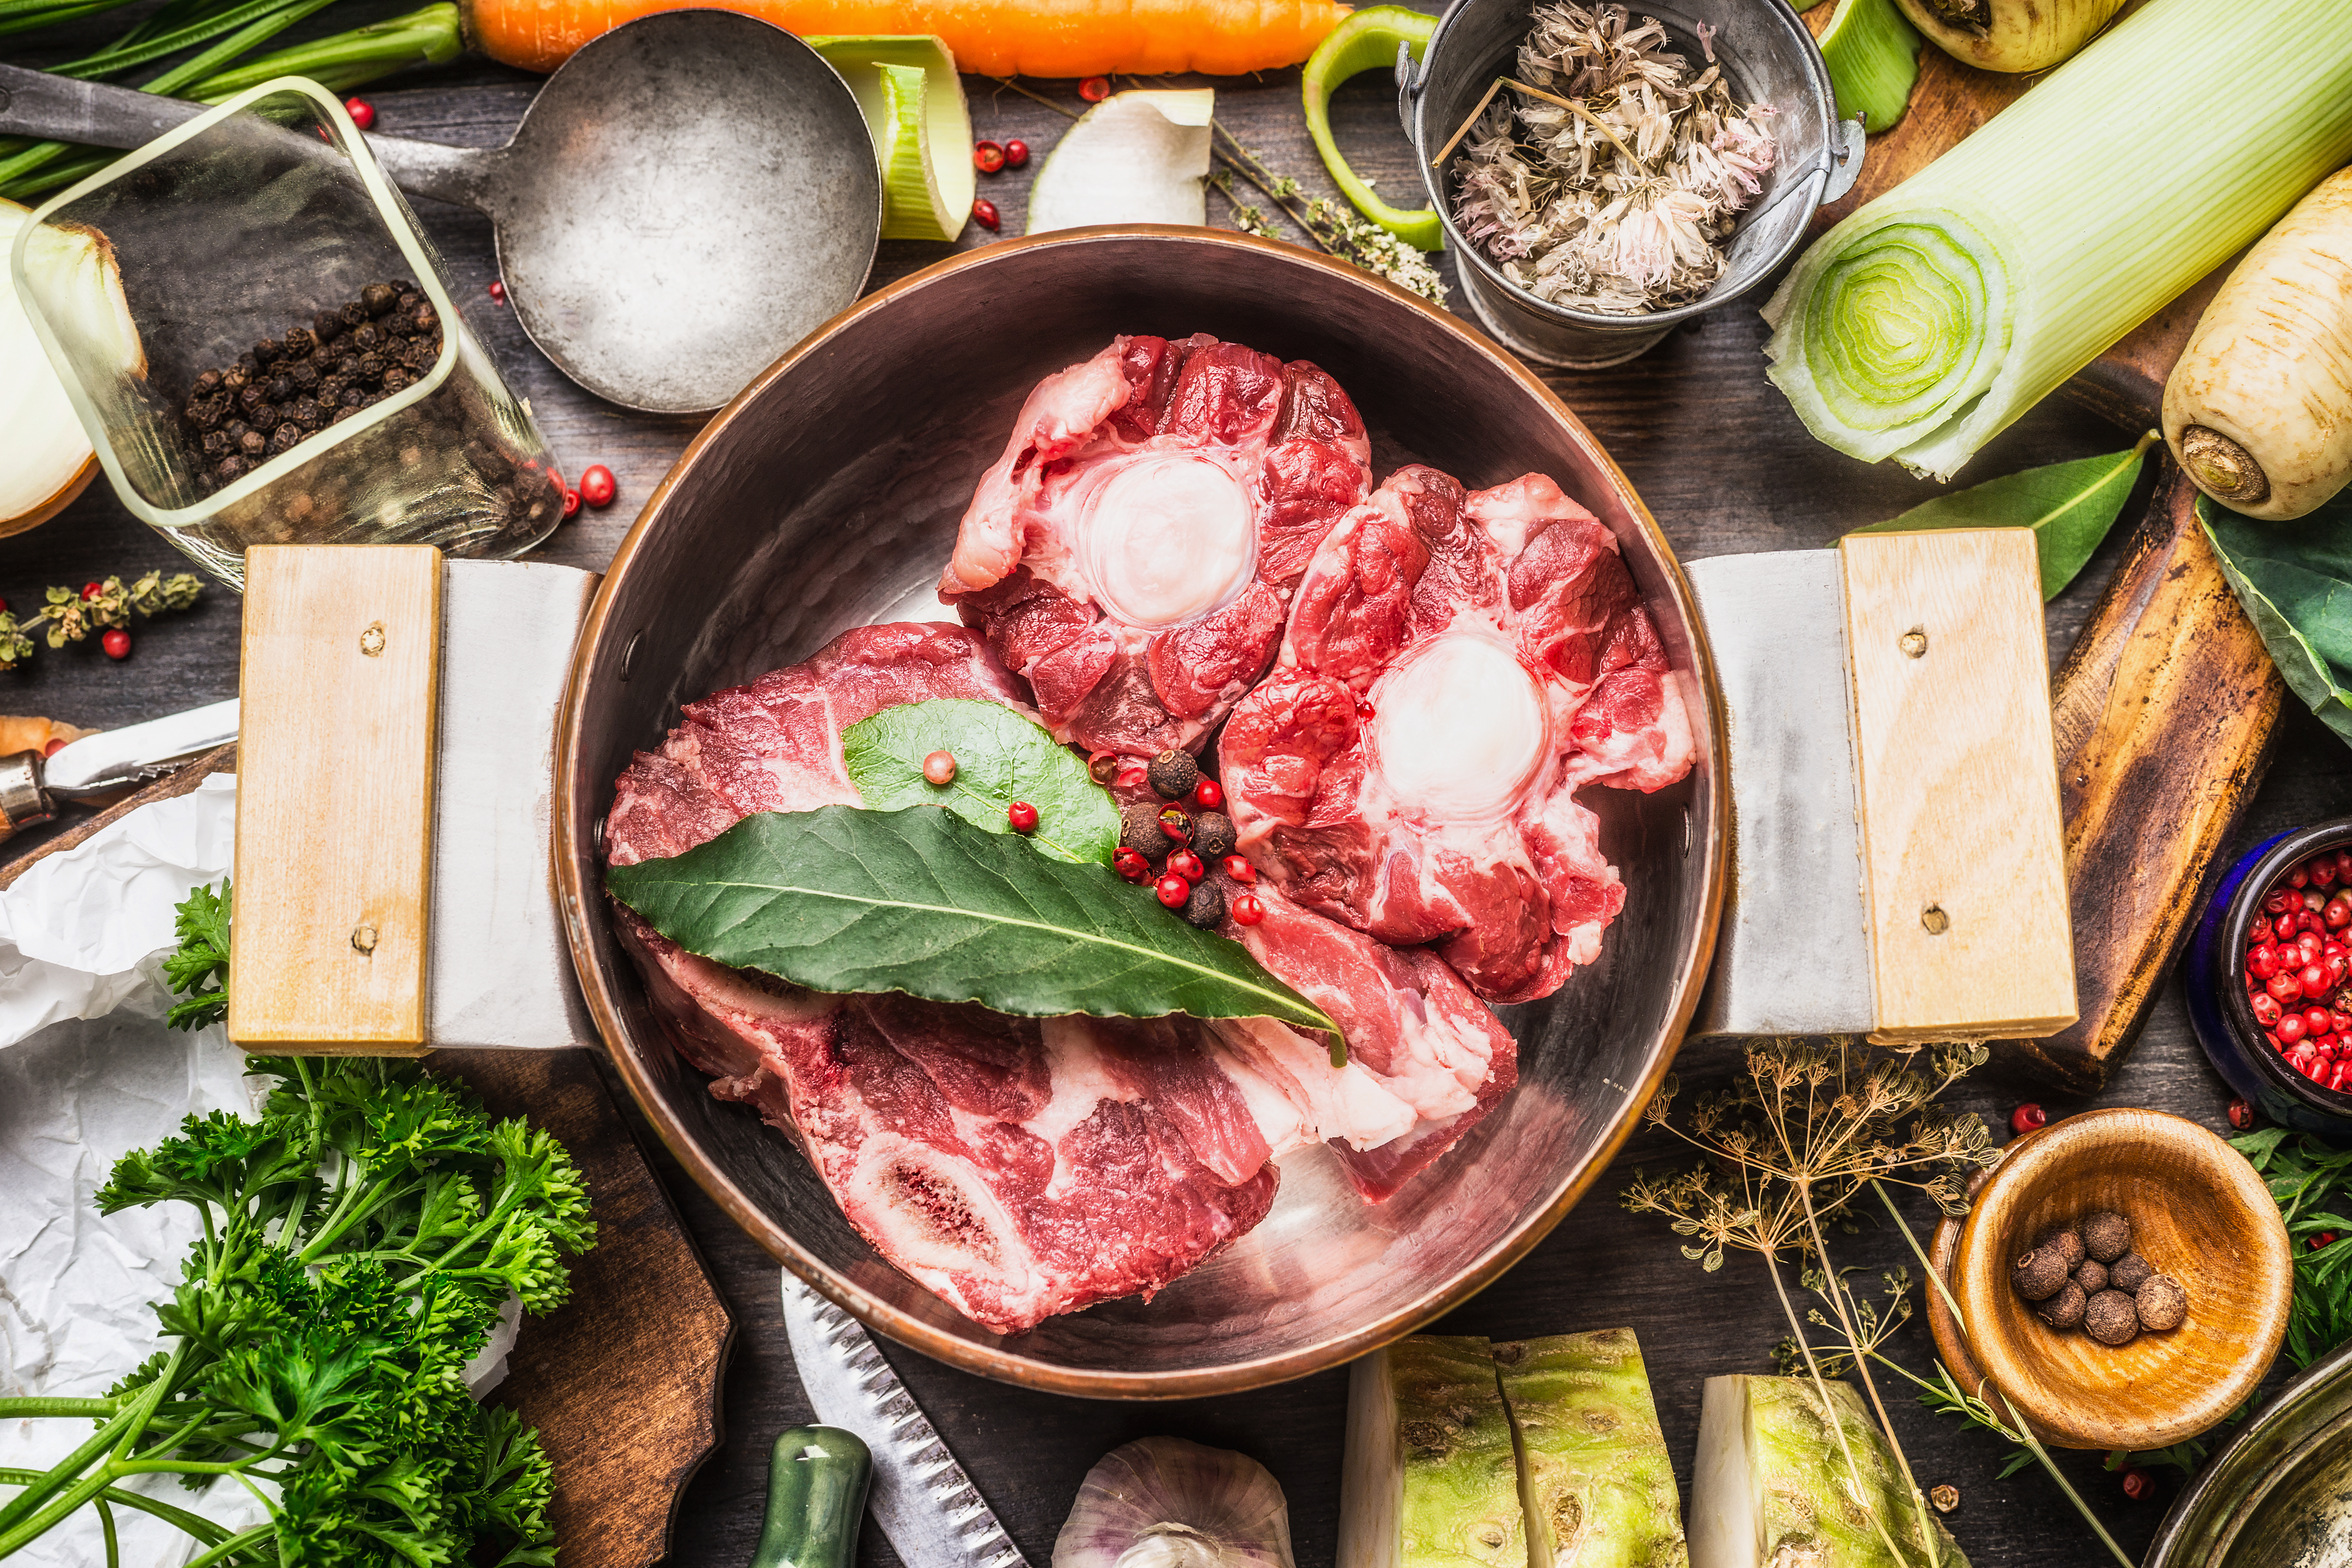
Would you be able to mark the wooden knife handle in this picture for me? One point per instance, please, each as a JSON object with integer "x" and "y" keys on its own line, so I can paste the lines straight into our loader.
{"x": 2164, "y": 715}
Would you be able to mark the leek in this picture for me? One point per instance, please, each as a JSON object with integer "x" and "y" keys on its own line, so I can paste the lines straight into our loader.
{"x": 908, "y": 89}
{"x": 1928, "y": 321}
{"x": 1874, "y": 58}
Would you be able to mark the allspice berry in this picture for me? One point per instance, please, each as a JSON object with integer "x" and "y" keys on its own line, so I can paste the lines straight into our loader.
{"x": 1212, "y": 835}
{"x": 2162, "y": 1304}
{"x": 2130, "y": 1272}
{"x": 1174, "y": 774}
{"x": 2107, "y": 1236}
{"x": 2069, "y": 1245}
{"x": 1206, "y": 907}
{"x": 1139, "y": 830}
{"x": 2111, "y": 1318}
{"x": 2063, "y": 1310}
{"x": 2040, "y": 1275}
{"x": 2092, "y": 1276}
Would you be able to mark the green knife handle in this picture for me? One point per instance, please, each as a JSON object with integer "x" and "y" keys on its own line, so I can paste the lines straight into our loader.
{"x": 816, "y": 1499}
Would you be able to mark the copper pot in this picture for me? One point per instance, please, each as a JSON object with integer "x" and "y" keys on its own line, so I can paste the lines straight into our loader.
{"x": 827, "y": 495}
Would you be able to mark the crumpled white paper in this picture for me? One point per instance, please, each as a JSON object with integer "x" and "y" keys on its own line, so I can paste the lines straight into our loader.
{"x": 91, "y": 1073}
{"x": 74, "y": 928}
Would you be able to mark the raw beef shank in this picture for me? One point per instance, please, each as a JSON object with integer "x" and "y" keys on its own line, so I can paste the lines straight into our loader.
{"x": 1457, "y": 666}
{"x": 1132, "y": 553}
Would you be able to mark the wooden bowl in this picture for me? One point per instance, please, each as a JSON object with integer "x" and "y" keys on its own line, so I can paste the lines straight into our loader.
{"x": 2198, "y": 1213}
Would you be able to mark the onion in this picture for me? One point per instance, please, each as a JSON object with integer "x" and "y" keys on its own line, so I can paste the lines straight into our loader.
{"x": 45, "y": 457}
{"x": 1135, "y": 157}
{"x": 1162, "y": 1502}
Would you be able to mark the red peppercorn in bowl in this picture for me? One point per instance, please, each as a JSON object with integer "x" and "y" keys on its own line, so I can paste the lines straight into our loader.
{"x": 2269, "y": 978}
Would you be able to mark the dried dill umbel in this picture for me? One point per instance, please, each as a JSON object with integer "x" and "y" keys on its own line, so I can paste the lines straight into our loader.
{"x": 1607, "y": 176}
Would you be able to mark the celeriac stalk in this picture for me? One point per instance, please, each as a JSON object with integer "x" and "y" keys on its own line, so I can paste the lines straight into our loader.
{"x": 1928, "y": 321}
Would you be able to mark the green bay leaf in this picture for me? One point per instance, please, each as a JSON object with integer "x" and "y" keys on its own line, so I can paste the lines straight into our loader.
{"x": 922, "y": 901}
{"x": 2069, "y": 506}
{"x": 2294, "y": 581}
{"x": 1000, "y": 757}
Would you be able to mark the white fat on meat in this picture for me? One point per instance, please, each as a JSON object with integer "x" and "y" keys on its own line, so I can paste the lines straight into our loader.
{"x": 1169, "y": 538}
{"x": 1458, "y": 726}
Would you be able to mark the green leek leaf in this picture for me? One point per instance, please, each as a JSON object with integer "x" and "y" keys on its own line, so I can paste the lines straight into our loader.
{"x": 908, "y": 89}
{"x": 2294, "y": 579}
{"x": 1000, "y": 757}
{"x": 924, "y": 903}
{"x": 1873, "y": 53}
{"x": 2069, "y": 507}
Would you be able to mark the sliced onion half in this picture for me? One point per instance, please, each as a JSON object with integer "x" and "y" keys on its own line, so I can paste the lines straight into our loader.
{"x": 46, "y": 456}
{"x": 1135, "y": 157}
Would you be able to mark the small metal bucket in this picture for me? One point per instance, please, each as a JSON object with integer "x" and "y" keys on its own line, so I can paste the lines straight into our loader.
{"x": 1766, "y": 58}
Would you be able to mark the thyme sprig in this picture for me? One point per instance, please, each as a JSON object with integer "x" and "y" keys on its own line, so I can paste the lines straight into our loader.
{"x": 1788, "y": 1148}
{"x": 71, "y": 614}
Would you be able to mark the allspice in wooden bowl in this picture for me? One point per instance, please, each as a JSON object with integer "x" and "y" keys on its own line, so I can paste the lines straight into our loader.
{"x": 2196, "y": 1212}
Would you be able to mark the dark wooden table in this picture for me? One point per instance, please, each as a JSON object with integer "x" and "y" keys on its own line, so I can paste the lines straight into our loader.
{"x": 1724, "y": 465}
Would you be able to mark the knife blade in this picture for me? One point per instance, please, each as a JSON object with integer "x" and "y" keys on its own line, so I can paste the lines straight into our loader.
{"x": 929, "y": 1507}
{"x": 113, "y": 758}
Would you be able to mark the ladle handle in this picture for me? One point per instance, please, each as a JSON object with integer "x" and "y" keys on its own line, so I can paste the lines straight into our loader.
{"x": 58, "y": 108}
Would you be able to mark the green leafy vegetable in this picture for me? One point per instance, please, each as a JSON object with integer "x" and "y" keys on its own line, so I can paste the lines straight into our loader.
{"x": 2295, "y": 583}
{"x": 2311, "y": 1185}
{"x": 359, "y": 1242}
{"x": 2069, "y": 507}
{"x": 1000, "y": 757}
{"x": 924, "y": 903}
{"x": 198, "y": 972}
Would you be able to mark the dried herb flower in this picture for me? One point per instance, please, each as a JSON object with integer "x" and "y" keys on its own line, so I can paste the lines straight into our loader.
{"x": 1610, "y": 177}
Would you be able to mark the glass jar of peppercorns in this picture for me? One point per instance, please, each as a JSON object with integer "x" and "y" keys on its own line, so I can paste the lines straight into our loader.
{"x": 303, "y": 375}
{"x": 2269, "y": 978}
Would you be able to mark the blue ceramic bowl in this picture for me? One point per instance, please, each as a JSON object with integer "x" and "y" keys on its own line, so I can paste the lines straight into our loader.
{"x": 2214, "y": 975}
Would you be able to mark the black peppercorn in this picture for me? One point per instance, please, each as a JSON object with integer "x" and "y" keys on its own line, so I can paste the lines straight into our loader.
{"x": 253, "y": 443}
{"x": 229, "y": 468}
{"x": 216, "y": 445}
{"x": 280, "y": 389}
{"x": 305, "y": 376}
{"x": 370, "y": 367}
{"x": 370, "y": 400}
{"x": 340, "y": 415}
{"x": 1206, "y": 907}
{"x": 328, "y": 325}
{"x": 298, "y": 342}
{"x": 426, "y": 320}
{"x": 206, "y": 382}
{"x": 1174, "y": 774}
{"x": 366, "y": 336}
{"x": 305, "y": 411}
{"x": 1212, "y": 835}
{"x": 248, "y": 398}
{"x": 266, "y": 350}
{"x": 236, "y": 429}
{"x": 235, "y": 379}
{"x": 284, "y": 438}
{"x": 353, "y": 313}
{"x": 379, "y": 298}
{"x": 208, "y": 413}
{"x": 395, "y": 379}
{"x": 352, "y": 397}
{"x": 404, "y": 286}
{"x": 247, "y": 363}
{"x": 331, "y": 390}
{"x": 265, "y": 415}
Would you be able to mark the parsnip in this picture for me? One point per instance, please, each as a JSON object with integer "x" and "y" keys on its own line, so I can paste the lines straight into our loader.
{"x": 2258, "y": 410}
{"x": 2010, "y": 35}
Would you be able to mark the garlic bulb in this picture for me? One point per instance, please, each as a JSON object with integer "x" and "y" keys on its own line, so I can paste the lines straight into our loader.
{"x": 1162, "y": 1502}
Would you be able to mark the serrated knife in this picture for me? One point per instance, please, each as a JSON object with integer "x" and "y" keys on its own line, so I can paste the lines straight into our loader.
{"x": 929, "y": 1507}
{"x": 30, "y": 782}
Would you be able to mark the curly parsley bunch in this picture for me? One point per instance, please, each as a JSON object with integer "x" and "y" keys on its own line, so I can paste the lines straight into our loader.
{"x": 359, "y": 1242}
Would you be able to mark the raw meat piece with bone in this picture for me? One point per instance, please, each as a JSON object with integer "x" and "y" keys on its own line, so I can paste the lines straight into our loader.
{"x": 1457, "y": 666}
{"x": 1025, "y": 1167}
{"x": 1132, "y": 553}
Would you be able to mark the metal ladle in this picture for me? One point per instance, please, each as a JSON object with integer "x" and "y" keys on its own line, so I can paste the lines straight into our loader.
{"x": 687, "y": 198}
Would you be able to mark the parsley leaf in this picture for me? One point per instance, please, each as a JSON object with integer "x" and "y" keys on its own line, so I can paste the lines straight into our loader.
{"x": 198, "y": 972}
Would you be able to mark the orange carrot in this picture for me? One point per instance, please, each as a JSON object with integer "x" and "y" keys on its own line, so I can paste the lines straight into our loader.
{"x": 991, "y": 38}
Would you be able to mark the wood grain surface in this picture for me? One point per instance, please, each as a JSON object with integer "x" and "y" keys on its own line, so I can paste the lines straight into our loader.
{"x": 1963, "y": 868}
{"x": 339, "y": 669}
{"x": 2198, "y": 1213}
{"x": 1725, "y": 465}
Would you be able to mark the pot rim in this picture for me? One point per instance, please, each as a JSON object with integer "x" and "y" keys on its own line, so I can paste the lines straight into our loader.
{"x": 577, "y": 899}
{"x": 1822, "y": 100}
{"x": 2230, "y": 958}
{"x": 2190, "y": 1529}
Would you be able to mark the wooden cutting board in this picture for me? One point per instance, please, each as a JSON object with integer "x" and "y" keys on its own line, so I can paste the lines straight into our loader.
{"x": 2165, "y": 707}
{"x": 622, "y": 1381}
